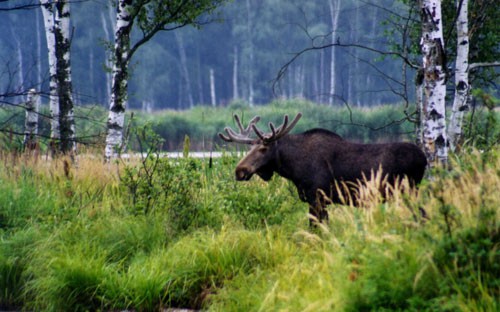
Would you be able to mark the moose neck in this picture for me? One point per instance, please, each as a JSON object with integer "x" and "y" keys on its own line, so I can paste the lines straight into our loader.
{"x": 286, "y": 156}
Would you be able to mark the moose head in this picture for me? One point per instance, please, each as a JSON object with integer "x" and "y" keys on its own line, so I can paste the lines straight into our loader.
{"x": 260, "y": 156}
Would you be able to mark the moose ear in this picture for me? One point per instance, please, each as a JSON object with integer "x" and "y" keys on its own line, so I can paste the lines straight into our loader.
{"x": 265, "y": 173}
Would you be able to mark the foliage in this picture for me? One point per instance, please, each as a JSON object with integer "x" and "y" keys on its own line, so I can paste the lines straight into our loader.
{"x": 201, "y": 124}
{"x": 483, "y": 127}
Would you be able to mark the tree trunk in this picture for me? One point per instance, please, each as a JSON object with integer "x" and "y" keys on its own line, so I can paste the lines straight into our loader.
{"x": 184, "y": 68}
{"x": 354, "y": 69}
{"x": 118, "y": 103}
{"x": 434, "y": 84}
{"x": 460, "y": 101}
{"x": 212, "y": 88}
{"x": 108, "y": 29}
{"x": 322, "y": 76}
{"x": 20, "y": 62}
{"x": 250, "y": 55}
{"x": 235, "y": 73}
{"x": 63, "y": 66}
{"x": 334, "y": 16}
{"x": 31, "y": 122}
{"x": 419, "y": 93}
{"x": 48, "y": 12}
{"x": 39, "y": 73}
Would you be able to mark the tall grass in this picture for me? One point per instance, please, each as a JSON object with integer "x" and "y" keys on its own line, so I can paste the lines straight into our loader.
{"x": 77, "y": 237}
{"x": 382, "y": 258}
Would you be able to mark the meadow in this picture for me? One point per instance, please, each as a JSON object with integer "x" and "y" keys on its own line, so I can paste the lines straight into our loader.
{"x": 146, "y": 234}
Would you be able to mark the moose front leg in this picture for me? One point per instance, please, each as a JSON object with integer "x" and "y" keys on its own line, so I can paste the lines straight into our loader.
{"x": 317, "y": 209}
{"x": 318, "y": 214}
{"x": 317, "y": 202}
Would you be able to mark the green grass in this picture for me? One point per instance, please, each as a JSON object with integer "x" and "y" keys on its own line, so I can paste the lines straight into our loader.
{"x": 181, "y": 233}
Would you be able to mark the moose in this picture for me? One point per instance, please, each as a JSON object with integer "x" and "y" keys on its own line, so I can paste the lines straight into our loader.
{"x": 318, "y": 160}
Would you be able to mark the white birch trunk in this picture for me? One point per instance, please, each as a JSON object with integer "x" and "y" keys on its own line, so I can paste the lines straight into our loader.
{"x": 419, "y": 93}
{"x": 322, "y": 76}
{"x": 235, "y": 74}
{"x": 353, "y": 69}
{"x": 199, "y": 82}
{"x": 65, "y": 88}
{"x": 434, "y": 85}
{"x": 118, "y": 102}
{"x": 212, "y": 88}
{"x": 460, "y": 100}
{"x": 31, "y": 122}
{"x": 334, "y": 16}
{"x": 251, "y": 54}
{"x": 38, "y": 48}
{"x": 184, "y": 67}
{"x": 48, "y": 21}
{"x": 19, "y": 50}
{"x": 107, "y": 34}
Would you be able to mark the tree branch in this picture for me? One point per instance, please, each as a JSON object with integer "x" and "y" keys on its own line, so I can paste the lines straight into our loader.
{"x": 486, "y": 64}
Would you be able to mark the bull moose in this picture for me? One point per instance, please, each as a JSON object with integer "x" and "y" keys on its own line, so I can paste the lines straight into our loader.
{"x": 318, "y": 160}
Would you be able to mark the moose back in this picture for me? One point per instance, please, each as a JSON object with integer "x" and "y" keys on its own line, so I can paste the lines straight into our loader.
{"x": 318, "y": 160}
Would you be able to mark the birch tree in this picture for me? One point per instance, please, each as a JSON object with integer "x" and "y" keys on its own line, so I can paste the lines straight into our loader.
{"x": 250, "y": 69}
{"x": 434, "y": 83}
{"x": 48, "y": 13}
{"x": 65, "y": 88}
{"x": 461, "y": 76}
{"x": 334, "y": 17}
{"x": 31, "y": 121}
{"x": 56, "y": 18}
{"x": 116, "y": 118}
{"x": 184, "y": 68}
{"x": 151, "y": 17}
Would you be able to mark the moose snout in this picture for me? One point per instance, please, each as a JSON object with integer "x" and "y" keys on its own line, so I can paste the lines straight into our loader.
{"x": 243, "y": 174}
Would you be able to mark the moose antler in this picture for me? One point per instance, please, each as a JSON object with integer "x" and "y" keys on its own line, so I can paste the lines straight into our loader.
{"x": 244, "y": 135}
{"x": 279, "y": 132}
{"x": 265, "y": 138}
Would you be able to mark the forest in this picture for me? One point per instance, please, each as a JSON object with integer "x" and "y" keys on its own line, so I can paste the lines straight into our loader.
{"x": 244, "y": 44}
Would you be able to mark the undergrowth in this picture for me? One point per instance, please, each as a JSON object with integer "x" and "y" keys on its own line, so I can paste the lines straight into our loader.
{"x": 155, "y": 233}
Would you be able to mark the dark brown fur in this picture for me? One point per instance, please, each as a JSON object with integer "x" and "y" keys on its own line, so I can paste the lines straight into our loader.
{"x": 317, "y": 159}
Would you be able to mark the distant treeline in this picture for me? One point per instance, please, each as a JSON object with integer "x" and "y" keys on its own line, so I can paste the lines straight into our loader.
{"x": 201, "y": 124}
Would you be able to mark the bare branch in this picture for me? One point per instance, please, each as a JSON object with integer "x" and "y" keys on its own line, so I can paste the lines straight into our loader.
{"x": 486, "y": 64}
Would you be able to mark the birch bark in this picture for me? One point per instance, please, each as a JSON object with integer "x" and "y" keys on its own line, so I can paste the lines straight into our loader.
{"x": 118, "y": 102}
{"x": 212, "y": 88}
{"x": 334, "y": 16}
{"x": 48, "y": 21}
{"x": 31, "y": 122}
{"x": 63, "y": 72}
{"x": 460, "y": 100}
{"x": 250, "y": 54}
{"x": 434, "y": 85}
